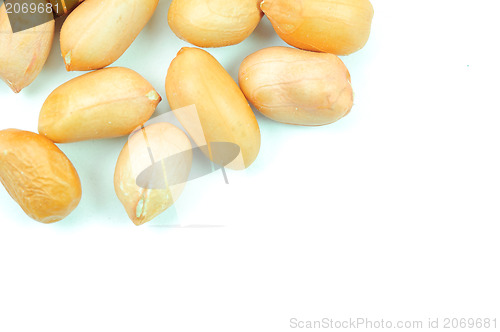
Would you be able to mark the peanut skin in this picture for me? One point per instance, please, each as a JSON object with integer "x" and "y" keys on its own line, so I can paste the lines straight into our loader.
{"x": 106, "y": 103}
{"x": 158, "y": 141}
{"x": 340, "y": 27}
{"x": 214, "y": 23}
{"x": 297, "y": 87}
{"x": 196, "y": 78}
{"x": 23, "y": 54}
{"x": 98, "y": 32}
{"x": 38, "y": 175}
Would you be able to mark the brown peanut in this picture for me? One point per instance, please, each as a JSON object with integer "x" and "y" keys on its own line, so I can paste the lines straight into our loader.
{"x": 38, "y": 175}
{"x": 107, "y": 103}
{"x": 98, "y": 32}
{"x": 196, "y": 78}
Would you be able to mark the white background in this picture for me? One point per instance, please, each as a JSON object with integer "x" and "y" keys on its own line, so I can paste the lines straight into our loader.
{"x": 390, "y": 213}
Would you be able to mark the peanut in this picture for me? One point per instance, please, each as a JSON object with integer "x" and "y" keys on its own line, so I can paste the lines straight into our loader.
{"x": 224, "y": 115}
{"x": 63, "y": 7}
{"x": 340, "y": 27}
{"x": 98, "y": 32}
{"x": 297, "y": 87}
{"x": 23, "y": 54}
{"x": 214, "y": 23}
{"x": 166, "y": 151}
{"x": 107, "y": 103}
{"x": 38, "y": 175}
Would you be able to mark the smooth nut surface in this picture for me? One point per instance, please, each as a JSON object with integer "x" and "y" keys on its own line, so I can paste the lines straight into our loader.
{"x": 98, "y": 32}
{"x": 23, "y": 54}
{"x": 106, "y": 103}
{"x": 152, "y": 170}
{"x": 224, "y": 115}
{"x": 38, "y": 176}
{"x": 214, "y": 23}
{"x": 340, "y": 27}
{"x": 297, "y": 87}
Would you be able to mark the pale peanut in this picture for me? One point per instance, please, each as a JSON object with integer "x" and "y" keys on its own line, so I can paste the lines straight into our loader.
{"x": 23, "y": 54}
{"x": 214, "y": 23}
{"x": 297, "y": 87}
{"x": 165, "y": 151}
{"x": 334, "y": 26}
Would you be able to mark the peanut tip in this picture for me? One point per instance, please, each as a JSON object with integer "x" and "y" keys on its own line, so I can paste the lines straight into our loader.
{"x": 67, "y": 60}
{"x": 13, "y": 86}
{"x": 139, "y": 208}
{"x": 153, "y": 95}
{"x": 182, "y": 50}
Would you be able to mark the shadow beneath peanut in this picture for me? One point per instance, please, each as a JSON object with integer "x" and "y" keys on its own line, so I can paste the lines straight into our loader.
{"x": 95, "y": 163}
{"x": 158, "y": 23}
{"x": 264, "y": 31}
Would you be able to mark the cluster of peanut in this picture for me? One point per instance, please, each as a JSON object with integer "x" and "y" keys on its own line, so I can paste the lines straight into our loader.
{"x": 306, "y": 85}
